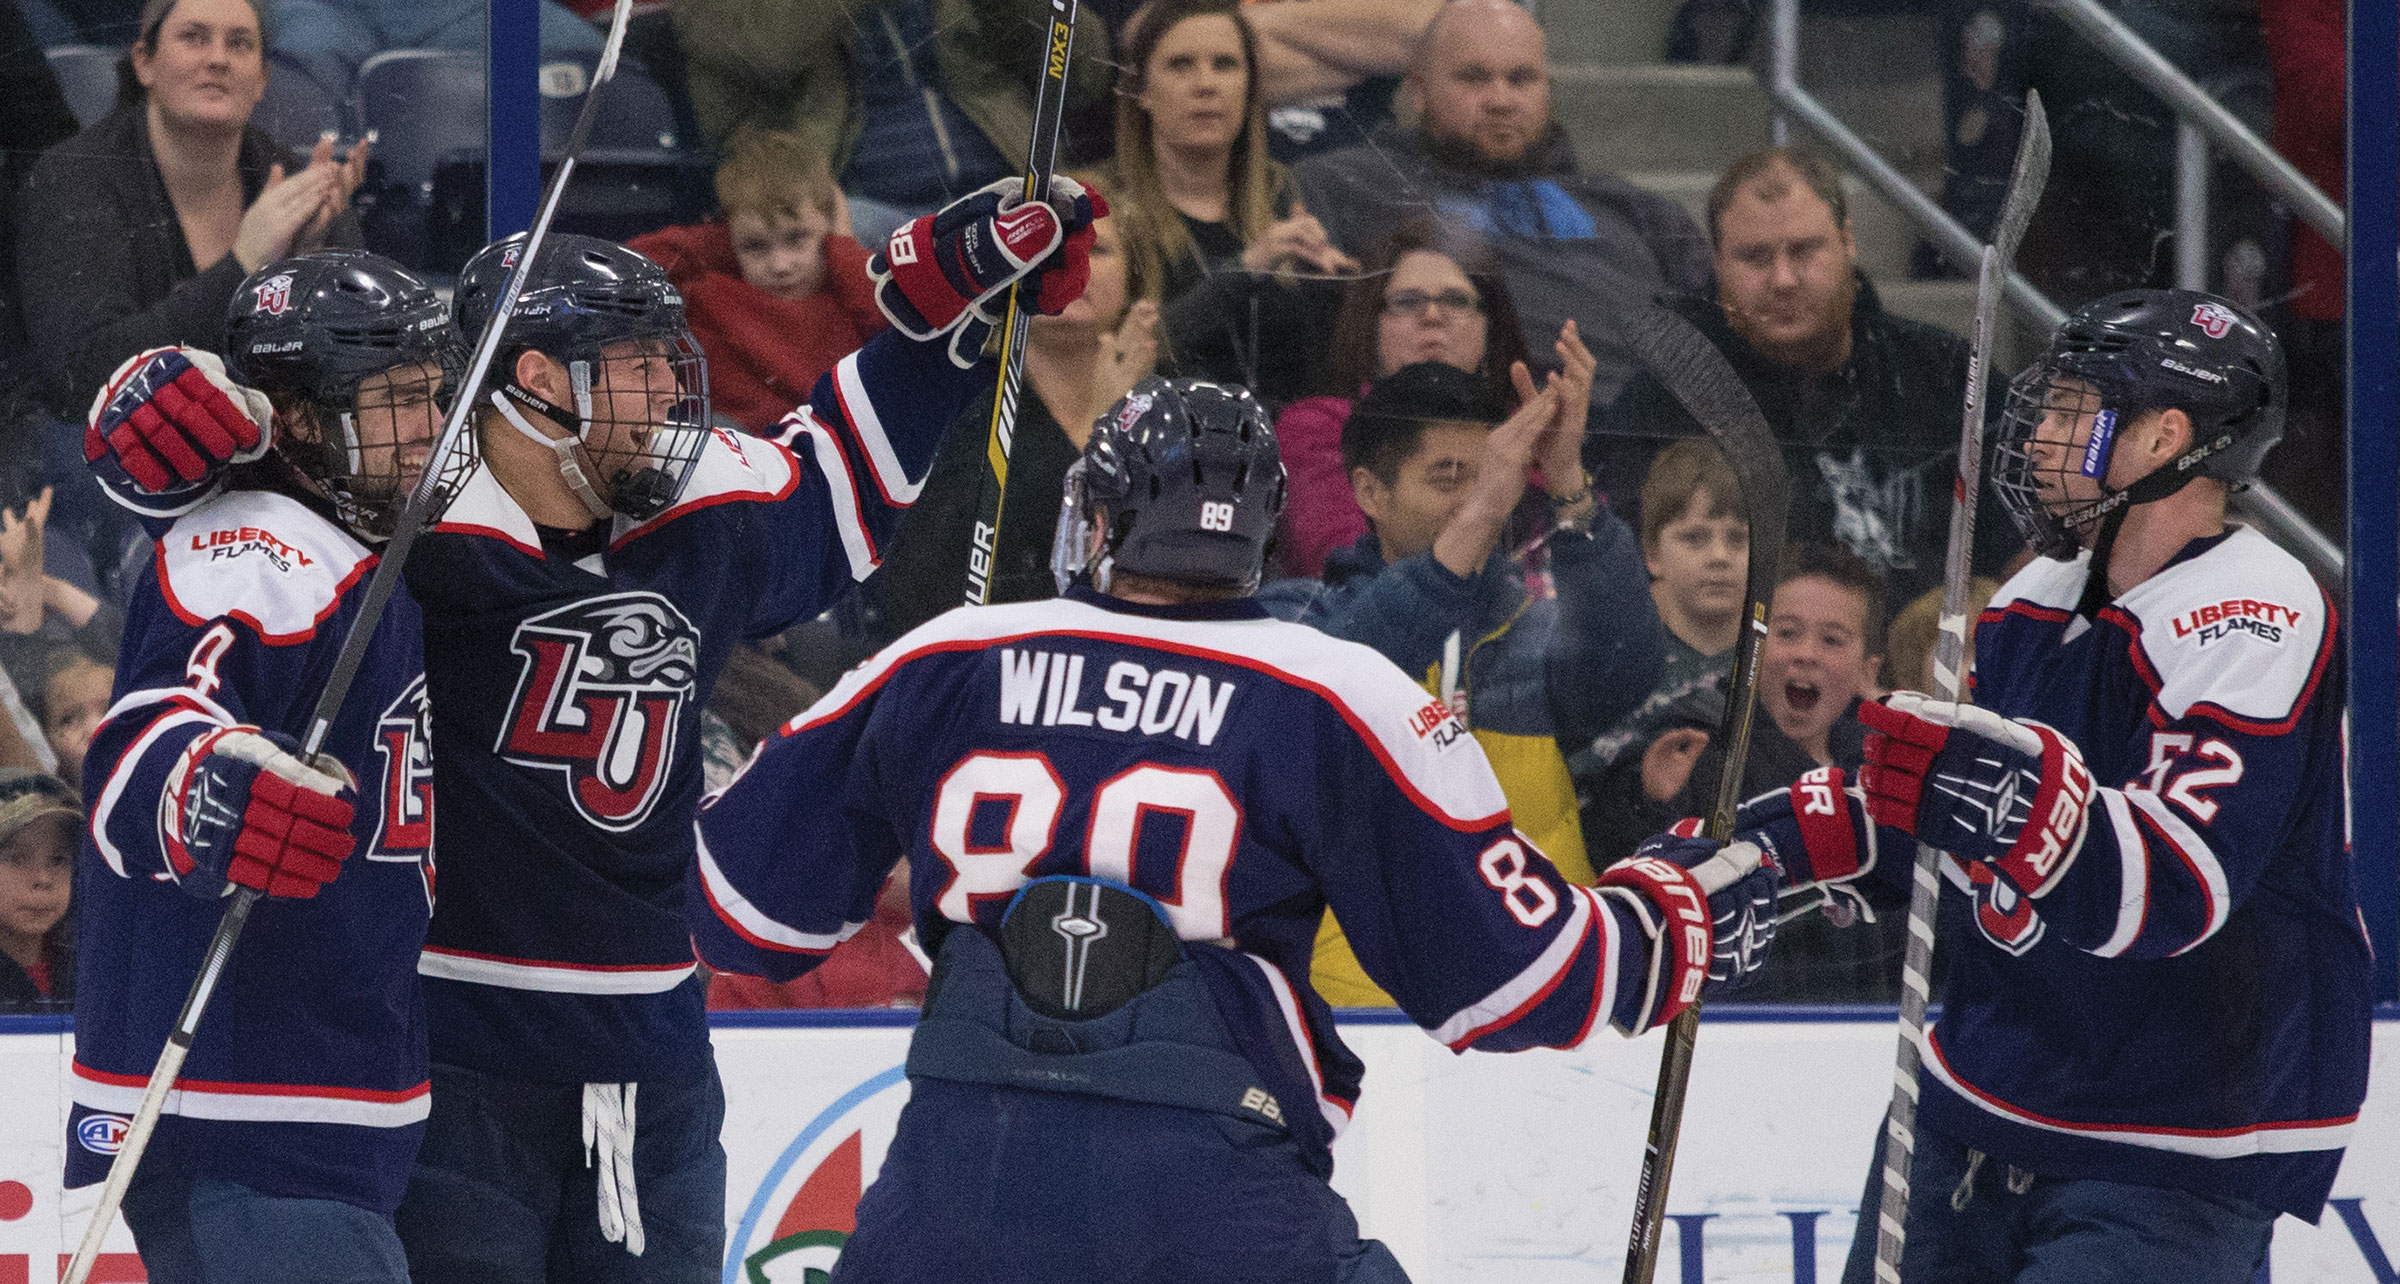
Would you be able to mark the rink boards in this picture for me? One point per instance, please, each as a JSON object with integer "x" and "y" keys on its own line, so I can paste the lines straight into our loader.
{"x": 1473, "y": 1168}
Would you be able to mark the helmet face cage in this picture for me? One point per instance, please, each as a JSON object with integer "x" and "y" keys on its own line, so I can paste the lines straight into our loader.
{"x": 367, "y": 435}
{"x": 643, "y": 408}
{"x": 2035, "y": 492}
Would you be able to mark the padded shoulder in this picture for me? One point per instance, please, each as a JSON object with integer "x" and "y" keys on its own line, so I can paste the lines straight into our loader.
{"x": 261, "y": 558}
{"x": 733, "y": 468}
{"x": 2240, "y": 633}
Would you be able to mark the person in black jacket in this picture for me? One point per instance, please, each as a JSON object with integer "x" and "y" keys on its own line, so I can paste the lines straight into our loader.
{"x": 134, "y": 233}
{"x": 1866, "y": 403}
{"x": 39, "y": 822}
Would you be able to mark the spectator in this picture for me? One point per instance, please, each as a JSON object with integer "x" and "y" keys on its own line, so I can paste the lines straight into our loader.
{"x": 1820, "y": 658}
{"x": 776, "y": 290}
{"x": 32, "y": 119}
{"x": 1076, "y": 366}
{"x": 39, "y": 822}
{"x": 73, "y": 703}
{"x": 1866, "y": 403}
{"x": 1329, "y": 68}
{"x": 42, "y": 614}
{"x": 331, "y": 39}
{"x": 1432, "y": 587}
{"x": 134, "y": 233}
{"x": 1487, "y": 153}
{"x": 1208, "y": 221}
{"x": 1404, "y": 308}
{"x": 913, "y": 101}
{"x": 1917, "y": 626}
{"x": 1696, "y": 544}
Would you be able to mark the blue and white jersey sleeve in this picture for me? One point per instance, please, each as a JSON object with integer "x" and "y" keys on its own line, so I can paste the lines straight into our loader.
{"x": 2224, "y": 767}
{"x": 865, "y": 439}
{"x": 242, "y": 584}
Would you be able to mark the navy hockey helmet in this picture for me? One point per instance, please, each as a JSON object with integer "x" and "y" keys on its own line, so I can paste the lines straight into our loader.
{"x": 640, "y": 386}
{"x": 2121, "y": 357}
{"x": 363, "y": 350}
{"x": 1191, "y": 482}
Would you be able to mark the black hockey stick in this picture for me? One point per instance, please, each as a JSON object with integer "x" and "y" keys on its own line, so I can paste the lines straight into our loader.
{"x": 2025, "y": 184}
{"x": 1683, "y": 359}
{"x": 1049, "y": 113}
{"x": 422, "y": 500}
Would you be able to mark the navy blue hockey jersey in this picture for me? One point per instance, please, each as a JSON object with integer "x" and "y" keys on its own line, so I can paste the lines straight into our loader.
{"x": 1243, "y": 771}
{"x": 308, "y": 1077}
{"x": 2188, "y": 1001}
{"x": 571, "y": 685}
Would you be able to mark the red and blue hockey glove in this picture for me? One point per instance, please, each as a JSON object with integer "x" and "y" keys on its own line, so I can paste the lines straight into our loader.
{"x": 2007, "y": 793}
{"x": 241, "y": 807}
{"x": 164, "y": 427}
{"x": 941, "y": 272}
{"x": 1814, "y": 831}
{"x": 1709, "y": 910}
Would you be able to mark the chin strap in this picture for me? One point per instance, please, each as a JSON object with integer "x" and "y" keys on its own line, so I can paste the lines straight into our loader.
{"x": 569, "y": 466}
{"x": 2095, "y": 581}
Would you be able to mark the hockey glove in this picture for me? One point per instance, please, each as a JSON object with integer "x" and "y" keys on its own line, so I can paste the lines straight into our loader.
{"x": 945, "y": 269}
{"x": 1815, "y": 832}
{"x": 241, "y": 807}
{"x": 1709, "y": 910}
{"x": 166, "y": 424}
{"x": 2007, "y": 793}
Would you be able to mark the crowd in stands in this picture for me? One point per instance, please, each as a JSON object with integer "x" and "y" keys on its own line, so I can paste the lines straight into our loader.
{"x": 1364, "y": 210}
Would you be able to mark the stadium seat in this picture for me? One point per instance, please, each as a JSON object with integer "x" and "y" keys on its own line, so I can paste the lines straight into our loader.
{"x": 425, "y": 106}
{"x": 296, "y": 109}
{"x": 87, "y": 75}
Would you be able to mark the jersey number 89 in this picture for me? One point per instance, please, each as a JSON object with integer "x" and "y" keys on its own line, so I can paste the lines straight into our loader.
{"x": 1029, "y": 795}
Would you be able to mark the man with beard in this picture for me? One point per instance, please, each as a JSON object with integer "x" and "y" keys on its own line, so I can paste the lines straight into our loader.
{"x": 1866, "y": 403}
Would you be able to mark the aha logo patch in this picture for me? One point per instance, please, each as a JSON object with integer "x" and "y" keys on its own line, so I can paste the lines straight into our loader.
{"x": 274, "y": 294}
{"x": 603, "y": 689}
{"x": 2214, "y": 318}
{"x": 102, "y": 1134}
{"x": 2266, "y": 621}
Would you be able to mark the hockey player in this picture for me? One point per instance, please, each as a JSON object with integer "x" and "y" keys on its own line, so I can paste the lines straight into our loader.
{"x": 2155, "y": 1020}
{"x": 288, "y": 1142}
{"x": 581, "y": 595}
{"x": 1124, "y": 813}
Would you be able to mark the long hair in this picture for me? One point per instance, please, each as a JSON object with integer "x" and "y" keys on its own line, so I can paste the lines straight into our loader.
{"x": 1153, "y": 233}
{"x": 1352, "y": 358}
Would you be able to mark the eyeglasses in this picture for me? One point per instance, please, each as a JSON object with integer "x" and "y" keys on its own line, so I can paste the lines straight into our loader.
{"x": 1409, "y": 303}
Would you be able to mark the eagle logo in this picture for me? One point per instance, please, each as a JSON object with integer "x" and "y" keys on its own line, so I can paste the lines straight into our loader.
{"x": 602, "y": 691}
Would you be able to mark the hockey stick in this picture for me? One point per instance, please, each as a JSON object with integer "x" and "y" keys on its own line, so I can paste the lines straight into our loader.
{"x": 1049, "y": 113}
{"x": 1696, "y": 373}
{"x": 422, "y": 499}
{"x": 2032, "y": 171}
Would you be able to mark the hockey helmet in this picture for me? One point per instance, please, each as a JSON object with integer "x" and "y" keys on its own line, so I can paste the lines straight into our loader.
{"x": 2118, "y": 358}
{"x": 614, "y": 320}
{"x": 1191, "y": 482}
{"x": 363, "y": 349}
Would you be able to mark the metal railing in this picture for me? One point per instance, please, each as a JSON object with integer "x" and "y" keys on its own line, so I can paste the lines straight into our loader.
{"x": 2200, "y": 115}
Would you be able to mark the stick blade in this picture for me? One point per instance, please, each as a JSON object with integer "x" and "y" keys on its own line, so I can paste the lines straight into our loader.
{"x": 2026, "y": 180}
{"x": 1700, "y": 379}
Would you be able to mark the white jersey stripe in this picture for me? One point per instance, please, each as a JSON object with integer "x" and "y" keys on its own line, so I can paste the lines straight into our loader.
{"x": 842, "y": 489}
{"x": 1514, "y": 997}
{"x": 2193, "y": 849}
{"x": 257, "y": 1102}
{"x": 752, "y": 925}
{"x": 881, "y": 460}
{"x": 550, "y": 978}
{"x": 2271, "y": 1138}
{"x": 2133, "y": 884}
{"x": 1337, "y": 1114}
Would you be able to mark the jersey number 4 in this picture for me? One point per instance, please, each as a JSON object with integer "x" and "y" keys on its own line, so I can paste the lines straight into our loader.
{"x": 996, "y": 814}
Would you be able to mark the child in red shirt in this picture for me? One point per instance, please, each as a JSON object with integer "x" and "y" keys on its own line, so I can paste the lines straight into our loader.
{"x": 775, "y": 289}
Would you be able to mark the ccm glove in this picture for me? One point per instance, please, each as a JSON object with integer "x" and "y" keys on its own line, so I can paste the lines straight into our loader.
{"x": 944, "y": 270}
{"x": 241, "y": 807}
{"x": 1709, "y": 910}
{"x": 167, "y": 423}
{"x": 2007, "y": 793}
